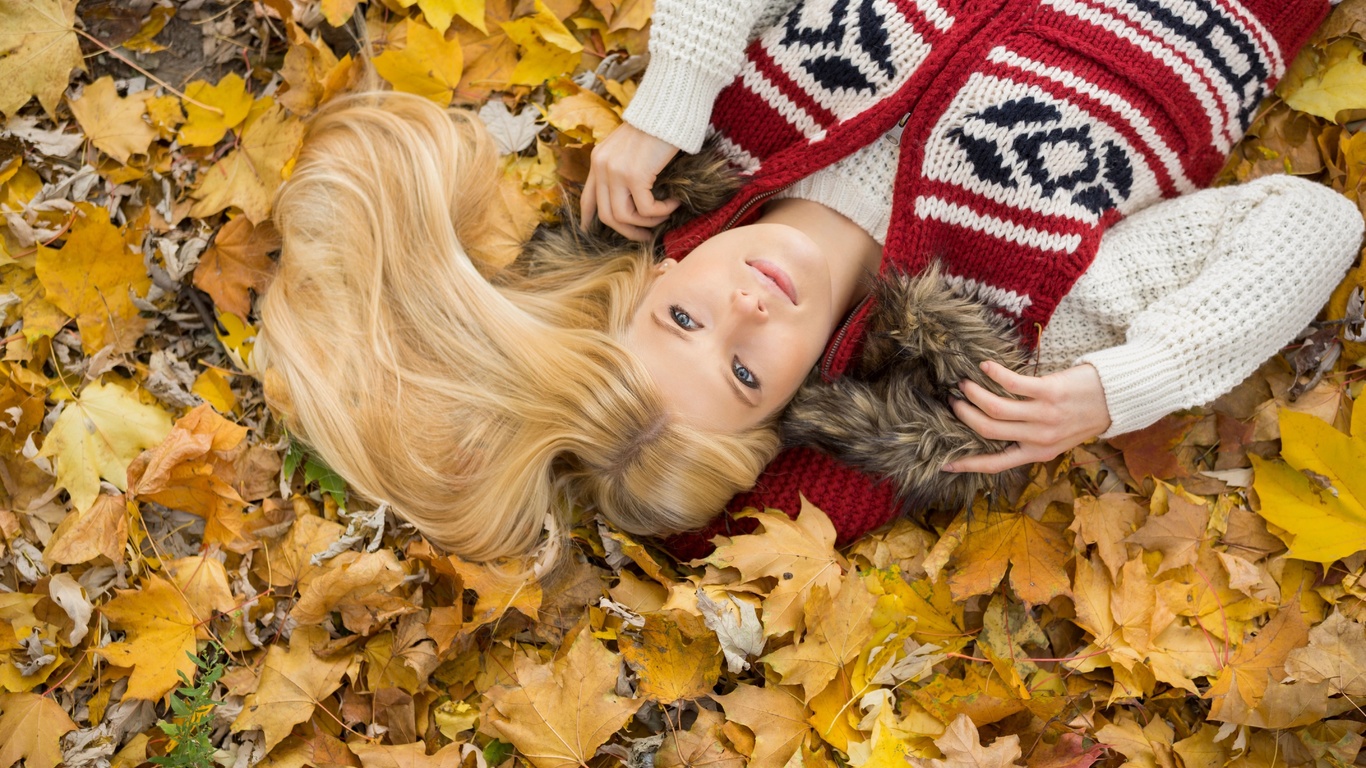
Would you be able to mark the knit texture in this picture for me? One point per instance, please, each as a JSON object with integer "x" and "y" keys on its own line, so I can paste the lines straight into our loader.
{"x": 1027, "y": 128}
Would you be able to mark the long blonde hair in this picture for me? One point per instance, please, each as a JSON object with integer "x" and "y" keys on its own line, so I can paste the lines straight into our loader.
{"x": 480, "y": 411}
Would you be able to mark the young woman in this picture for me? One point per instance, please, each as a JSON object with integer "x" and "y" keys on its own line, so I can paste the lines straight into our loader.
{"x": 1005, "y": 141}
{"x": 483, "y": 410}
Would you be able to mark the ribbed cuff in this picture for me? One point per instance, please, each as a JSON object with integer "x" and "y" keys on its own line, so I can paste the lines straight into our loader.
{"x": 674, "y": 102}
{"x": 1140, "y": 382}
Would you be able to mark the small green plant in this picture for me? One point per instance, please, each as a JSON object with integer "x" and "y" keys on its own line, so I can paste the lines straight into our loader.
{"x": 192, "y": 708}
{"x": 315, "y": 471}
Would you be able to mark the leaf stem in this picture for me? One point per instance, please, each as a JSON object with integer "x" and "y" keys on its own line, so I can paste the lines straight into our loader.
{"x": 149, "y": 75}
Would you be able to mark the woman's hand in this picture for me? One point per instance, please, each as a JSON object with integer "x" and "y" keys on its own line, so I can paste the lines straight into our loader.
{"x": 1059, "y": 411}
{"x": 620, "y": 176}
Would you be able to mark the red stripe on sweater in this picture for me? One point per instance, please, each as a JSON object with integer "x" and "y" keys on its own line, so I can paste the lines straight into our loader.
{"x": 734, "y": 118}
{"x": 775, "y": 74}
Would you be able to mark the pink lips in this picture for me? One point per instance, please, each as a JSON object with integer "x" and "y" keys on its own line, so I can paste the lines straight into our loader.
{"x": 774, "y": 274}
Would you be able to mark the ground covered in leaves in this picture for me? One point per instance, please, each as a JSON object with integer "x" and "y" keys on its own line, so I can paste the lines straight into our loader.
{"x": 180, "y": 585}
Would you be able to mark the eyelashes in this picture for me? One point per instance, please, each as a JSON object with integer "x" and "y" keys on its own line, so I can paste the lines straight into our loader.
{"x": 742, "y": 373}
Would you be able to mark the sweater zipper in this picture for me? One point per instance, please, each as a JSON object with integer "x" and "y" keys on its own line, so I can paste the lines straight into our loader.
{"x": 835, "y": 345}
{"x": 753, "y": 201}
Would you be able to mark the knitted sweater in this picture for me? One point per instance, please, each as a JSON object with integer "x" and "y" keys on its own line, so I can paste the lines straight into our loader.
{"x": 1150, "y": 304}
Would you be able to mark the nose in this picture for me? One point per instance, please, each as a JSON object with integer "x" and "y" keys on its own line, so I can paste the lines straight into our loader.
{"x": 749, "y": 305}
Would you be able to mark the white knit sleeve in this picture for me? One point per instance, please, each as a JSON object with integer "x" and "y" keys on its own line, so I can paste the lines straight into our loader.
{"x": 1203, "y": 288}
{"x": 696, "y": 48}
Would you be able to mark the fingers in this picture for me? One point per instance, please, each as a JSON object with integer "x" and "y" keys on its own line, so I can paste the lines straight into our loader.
{"x": 588, "y": 205}
{"x": 1014, "y": 383}
{"x": 656, "y": 211}
{"x": 990, "y": 428}
{"x": 991, "y": 463}
{"x": 993, "y": 405}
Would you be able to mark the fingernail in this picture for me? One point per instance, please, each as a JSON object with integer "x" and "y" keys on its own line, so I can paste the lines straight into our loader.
{"x": 948, "y": 468}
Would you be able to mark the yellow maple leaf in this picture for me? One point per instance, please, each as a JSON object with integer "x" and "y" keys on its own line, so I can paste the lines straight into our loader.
{"x": 1338, "y": 84}
{"x": 1237, "y": 693}
{"x": 428, "y": 65}
{"x": 205, "y": 128}
{"x": 558, "y": 714}
{"x": 143, "y": 41}
{"x": 114, "y": 123}
{"x": 338, "y": 12}
{"x": 248, "y": 176}
{"x": 549, "y": 50}
{"x": 962, "y": 748}
{"x": 489, "y": 58}
{"x": 837, "y": 626}
{"x": 439, "y": 13}
{"x": 1036, "y": 554}
{"x": 38, "y": 50}
{"x": 90, "y": 279}
{"x": 309, "y": 66}
{"x": 293, "y": 683}
{"x": 160, "y": 633}
{"x": 800, "y": 554}
{"x": 31, "y": 728}
{"x": 97, "y": 436}
{"x": 1324, "y": 518}
{"x": 675, "y": 656}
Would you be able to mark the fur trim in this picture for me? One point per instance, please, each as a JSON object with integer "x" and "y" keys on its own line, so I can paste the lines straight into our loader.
{"x": 891, "y": 416}
{"x": 702, "y": 183}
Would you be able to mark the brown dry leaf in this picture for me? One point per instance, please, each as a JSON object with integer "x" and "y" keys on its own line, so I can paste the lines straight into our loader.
{"x": 584, "y": 117}
{"x": 93, "y": 278}
{"x": 558, "y": 714}
{"x": 192, "y": 470}
{"x": 799, "y": 554}
{"x": 1035, "y": 553}
{"x": 355, "y": 583}
{"x": 1105, "y": 521}
{"x": 837, "y": 626}
{"x": 293, "y": 683}
{"x": 498, "y": 592}
{"x": 290, "y": 558}
{"x": 160, "y": 638}
{"x": 1240, "y": 686}
{"x": 114, "y": 123}
{"x": 31, "y": 728}
{"x": 308, "y": 66}
{"x": 1144, "y": 745}
{"x": 237, "y": 264}
{"x": 38, "y": 51}
{"x": 676, "y": 657}
{"x": 1152, "y": 451}
{"x": 701, "y": 745}
{"x": 776, "y": 718}
{"x": 963, "y": 749}
{"x": 409, "y": 755}
{"x": 1178, "y": 534}
{"x": 84, "y": 536}
{"x": 1336, "y": 653}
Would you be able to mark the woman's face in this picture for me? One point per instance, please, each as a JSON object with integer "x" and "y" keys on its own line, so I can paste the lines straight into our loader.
{"x": 730, "y": 332}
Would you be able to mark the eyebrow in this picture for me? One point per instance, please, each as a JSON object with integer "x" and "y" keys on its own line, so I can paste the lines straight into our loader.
{"x": 682, "y": 334}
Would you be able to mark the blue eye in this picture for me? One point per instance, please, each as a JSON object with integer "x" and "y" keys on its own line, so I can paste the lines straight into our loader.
{"x": 683, "y": 319}
{"x": 745, "y": 375}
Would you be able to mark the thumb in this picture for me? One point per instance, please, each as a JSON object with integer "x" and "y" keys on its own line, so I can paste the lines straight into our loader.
{"x": 647, "y": 205}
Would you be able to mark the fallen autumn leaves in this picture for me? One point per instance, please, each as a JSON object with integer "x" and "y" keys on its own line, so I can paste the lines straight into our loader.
{"x": 1193, "y": 595}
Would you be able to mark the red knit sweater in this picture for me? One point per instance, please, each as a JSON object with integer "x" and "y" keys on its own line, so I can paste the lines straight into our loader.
{"x": 1027, "y": 128}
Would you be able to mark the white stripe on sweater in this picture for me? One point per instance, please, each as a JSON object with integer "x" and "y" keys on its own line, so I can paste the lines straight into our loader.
{"x": 939, "y": 209}
{"x": 1232, "y": 98}
{"x": 1223, "y": 133}
{"x": 1169, "y": 158}
{"x": 991, "y": 295}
